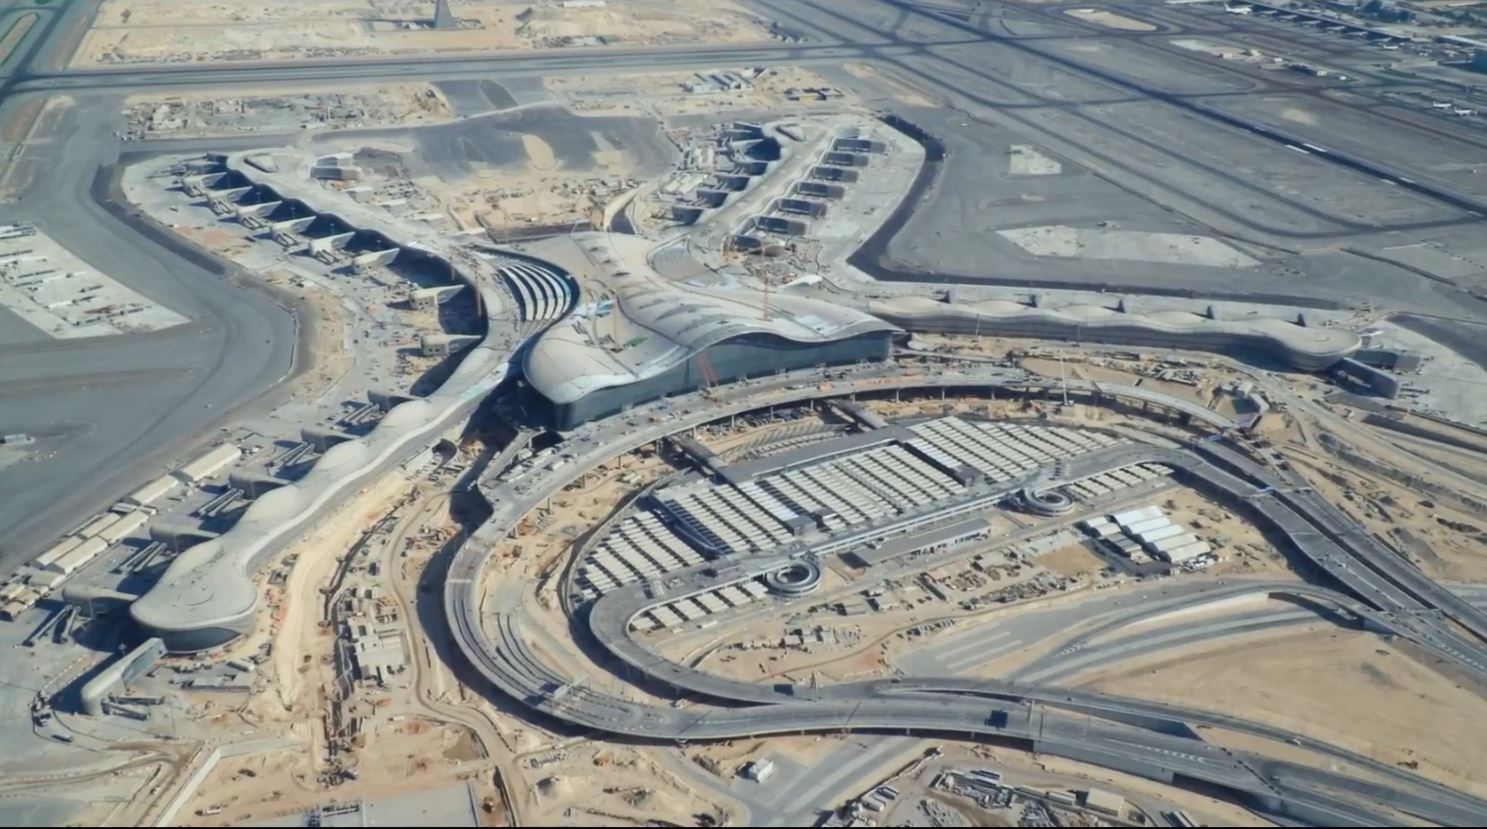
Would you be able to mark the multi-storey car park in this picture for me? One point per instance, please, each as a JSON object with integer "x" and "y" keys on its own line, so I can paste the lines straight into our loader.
{"x": 603, "y": 322}
{"x": 614, "y": 340}
{"x": 619, "y": 333}
{"x": 604, "y": 327}
{"x": 915, "y": 484}
{"x": 662, "y": 567}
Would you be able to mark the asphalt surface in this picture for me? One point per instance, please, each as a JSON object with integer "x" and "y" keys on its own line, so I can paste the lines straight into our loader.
{"x": 464, "y": 148}
{"x": 1116, "y": 125}
{"x": 510, "y": 664}
{"x": 121, "y": 408}
{"x": 472, "y": 97}
{"x": 218, "y": 362}
{"x": 110, "y": 412}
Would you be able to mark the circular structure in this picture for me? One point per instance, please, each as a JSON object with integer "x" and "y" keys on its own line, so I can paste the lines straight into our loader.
{"x": 1048, "y": 502}
{"x": 797, "y": 579}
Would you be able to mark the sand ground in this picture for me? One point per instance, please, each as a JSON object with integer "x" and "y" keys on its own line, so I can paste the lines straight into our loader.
{"x": 1323, "y": 683}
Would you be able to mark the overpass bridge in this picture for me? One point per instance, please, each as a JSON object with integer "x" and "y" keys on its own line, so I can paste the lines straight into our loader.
{"x": 963, "y": 707}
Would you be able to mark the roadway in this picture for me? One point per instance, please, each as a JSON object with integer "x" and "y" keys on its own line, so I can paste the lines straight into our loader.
{"x": 1081, "y": 655}
{"x": 428, "y": 646}
{"x": 509, "y": 663}
{"x": 443, "y": 67}
{"x": 226, "y": 364}
{"x": 1411, "y": 602}
{"x": 513, "y": 667}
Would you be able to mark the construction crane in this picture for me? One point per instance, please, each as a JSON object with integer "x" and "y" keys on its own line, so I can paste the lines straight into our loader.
{"x": 709, "y": 377}
{"x": 766, "y": 279}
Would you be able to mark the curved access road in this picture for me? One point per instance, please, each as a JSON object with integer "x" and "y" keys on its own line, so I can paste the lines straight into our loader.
{"x": 968, "y": 707}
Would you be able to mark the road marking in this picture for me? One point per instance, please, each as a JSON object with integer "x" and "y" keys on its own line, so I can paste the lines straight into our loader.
{"x": 958, "y": 665}
{"x": 963, "y": 643}
{"x": 1154, "y": 642}
{"x": 863, "y": 760}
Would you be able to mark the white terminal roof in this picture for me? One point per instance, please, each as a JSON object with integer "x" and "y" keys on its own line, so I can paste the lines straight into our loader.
{"x": 1160, "y": 533}
{"x": 211, "y": 584}
{"x": 1174, "y": 542}
{"x": 656, "y": 324}
{"x": 1147, "y": 525}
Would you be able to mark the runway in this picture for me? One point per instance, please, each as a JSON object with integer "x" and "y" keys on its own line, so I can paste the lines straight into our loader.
{"x": 1035, "y": 83}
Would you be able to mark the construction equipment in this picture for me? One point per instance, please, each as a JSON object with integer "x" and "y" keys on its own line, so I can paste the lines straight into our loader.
{"x": 709, "y": 377}
{"x": 766, "y": 281}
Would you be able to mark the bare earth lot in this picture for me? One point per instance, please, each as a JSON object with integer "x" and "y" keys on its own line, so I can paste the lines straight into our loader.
{"x": 1323, "y": 684}
{"x": 170, "y": 31}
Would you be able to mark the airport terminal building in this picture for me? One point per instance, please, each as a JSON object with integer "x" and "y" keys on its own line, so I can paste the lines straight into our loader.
{"x": 747, "y": 354}
{"x": 639, "y": 337}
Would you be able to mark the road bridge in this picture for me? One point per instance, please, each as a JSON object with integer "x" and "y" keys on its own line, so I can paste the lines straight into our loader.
{"x": 510, "y": 665}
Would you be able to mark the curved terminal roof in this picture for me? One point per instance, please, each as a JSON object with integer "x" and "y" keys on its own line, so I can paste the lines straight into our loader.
{"x": 1302, "y": 346}
{"x": 627, "y": 323}
{"x": 638, "y": 325}
{"x": 210, "y": 586}
{"x": 208, "y": 594}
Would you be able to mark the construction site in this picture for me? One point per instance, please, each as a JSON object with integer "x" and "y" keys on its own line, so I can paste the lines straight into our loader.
{"x": 525, "y": 189}
{"x": 161, "y": 31}
{"x": 742, "y": 412}
{"x": 151, "y": 117}
{"x": 713, "y": 92}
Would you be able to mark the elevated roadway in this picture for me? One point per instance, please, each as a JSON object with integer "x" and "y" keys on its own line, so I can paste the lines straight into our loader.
{"x": 1081, "y": 656}
{"x": 509, "y": 663}
{"x": 1411, "y": 602}
{"x": 609, "y": 622}
{"x": 506, "y": 660}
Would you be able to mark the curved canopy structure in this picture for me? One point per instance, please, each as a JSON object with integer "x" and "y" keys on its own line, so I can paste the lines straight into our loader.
{"x": 208, "y": 596}
{"x": 1292, "y": 344}
{"x": 642, "y": 337}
